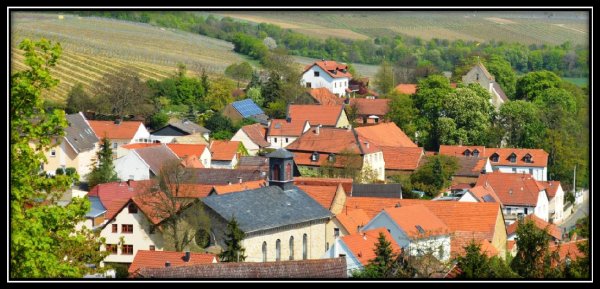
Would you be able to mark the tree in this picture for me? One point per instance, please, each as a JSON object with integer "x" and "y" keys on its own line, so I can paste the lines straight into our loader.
{"x": 78, "y": 100}
{"x": 474, "y": 264}
{"x": 44, "y": 241}
{"x": 239, "y": 72}
{"x": 403, "y": 113}
{"x": 217, "y": 122}
{"x": 234, "y": 251}
{"x": 435, "y": 174}
{"x": 384, "y": 79}
{"x": 180, "y": 216}
{"x": 520, "y": 121}
{"x": 256, "y": 96}
{"x": 471, "y": 111}
{"x": 219, "y": 94}
{"x": 503, "y": 74}
{"x": 159, "y": 120}
{"x": 104, "y": 171}
{"x": 384, "y": 256}
{"x": 533, "y": 84}
{"x": 123, "y": 93}
{"x": 533, "y": 259}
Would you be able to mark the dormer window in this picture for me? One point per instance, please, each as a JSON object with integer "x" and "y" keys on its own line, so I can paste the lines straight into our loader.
{"x": 314, "y": 157}
{"x": 467, "y": 153}
{"x": 527, "y": 158}
{"x": 331, "y": 158}
{"x": 477, "y": 76}
{"x": 476, "y": 153}
{"x": 512, "y": 158}
{"x": 494, "y": 157}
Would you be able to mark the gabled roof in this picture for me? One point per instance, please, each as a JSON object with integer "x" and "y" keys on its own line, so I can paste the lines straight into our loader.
{"x": 224, "y": 150}
{"x": 362, "y": 245}
{"x": 352, "y": 219}
{"x": 512, "y": 189}
{"x": 324, "y": 195}
{"x": 254, "y": 163}
{"x": 157, "y": 259}
{"x": 79, "y": 134}
{"x": 551, "y": 187}
{"x": 470, "y": 166}
{"x": 247, "y": 108}
{"x": 238, "y": 187}
{"x": 115, "y": 195}
{"x": 461, "y": 239}
{"x": 257, "y": 133}
{"x": 334, "y": 69}
{"x": 366, "y": 106}
{"x": 500, "y": 92}
{"x": 221, "y": 177}
{"x": 385, "y": 134}
{"x": 331, "y": 140}
{"x": 188, "y": 126}
{"x": 417, "y": 221}
{"x": 133, "y": 146}
{"x": 156, "y": 157}
{"x": 402, "y": 158}
{"x": 323, "y": 96}
{"x": 408, "y": 88}
{"x": 553, "y": 230}
{"x": 539, "y": 158}
{"x": 123, "y": 130}
{"x": 568, "y": 249}
{"x": 457, "y": 151}
{"x": 484, "y": 194}
{"x": 183, "y": 150}
{"x": 333, "y": 268}
{"x": 377, "y": 190}
{"x": 326, "y": 115}
{"x": 485, "y": 71}
{"x": 267, "y": 208}
{"x": 280, "y": 127}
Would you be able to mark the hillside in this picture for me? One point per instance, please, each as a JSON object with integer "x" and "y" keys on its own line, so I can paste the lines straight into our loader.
{"x": 536, "y": 27}
{"x": 93, "y": 47}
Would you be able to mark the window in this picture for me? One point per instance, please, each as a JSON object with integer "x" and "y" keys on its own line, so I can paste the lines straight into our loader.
{"x": 326, "y": 246}
{"x": 314, "y": 157}
{"x": 304, "y": 247}
{"x": 275, "y": 140}
{"x": 531, "y": 171}
{"x": 477, "y": 76}
{"x": 114, "y": 145}
{"x": 467, "y": 153}
{"x": 278, "y": 250}
{"x": 316, "y": 74}
{"x": 115, "y": 228}
{"x": 275, "y": 176}
{"x": 527, "y": 158}
{"x": 132, "y": 208}
{"x": 377, "y": 120}
{"x": 112, "y": 248}
{"x": 287, "y": 140}
{"x": 288, "y": 172}
{"x": 127, "y": 250}
{"x": 512, "y": 158}
{"x": 525, "y": 211}
{"x": 514, "y": 170}
{"x": 152, "y": 248}
{"x": 494, "y": 157}
{"x": 476, "y": 153}
{"x": 127, "y": 229}
{"x": 331, "y": 158}
{"x": 336, "y": 232}
{"x": 508, "y": 211}
{"x": 308, "y": 84}
{"x": 53, "y": 153}
{"x": 264, "y": 251}
{"x": 292, "y": 248}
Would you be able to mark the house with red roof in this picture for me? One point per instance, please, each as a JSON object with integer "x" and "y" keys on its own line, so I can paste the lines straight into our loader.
{"x": 226, "y": 154}
{"x": 161, "y": 259}
{"x": 370, "y": 110}
{"x": 554, "y": 232}
{"x": 180, "y": 128}
{"x": 406, "y": 88}
{"x": 332, "y": 198}
{"x": 120, "y": 132}
{"x": 282, "y": 132}
{"x": 329, "y": 74}
{"x": 253, "y": 136}
{"x": 323, "y": 96}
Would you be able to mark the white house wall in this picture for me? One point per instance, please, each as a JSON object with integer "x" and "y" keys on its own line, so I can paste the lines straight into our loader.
{"x": 205, "y": 158}
{"x": 335, "y": 85}
{"x": 556, "y": 205}
{"x": 541, "y": 209}
{"x": 340, "y": 248}
{"x": 130, "y": 166}
{"x": 539, "y": 174}
{"x": 141, "y": 135}
{"x": 162, "y": 138}
{"x": 280, "y": 141}
{"x": 375, "y": 162}
{"x": 251, "y": 147}
{"x": 468, "y": 197}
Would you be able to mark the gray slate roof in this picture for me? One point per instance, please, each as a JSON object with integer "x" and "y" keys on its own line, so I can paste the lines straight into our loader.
{"x": 320, "y": 268}
{"x": 221, "y": 176}
{"x": 157, "y": 156}
{"x": 96, "y": 208}
{"x": 267, "y": 208}
{"x": 254, "y": 163}
{"x": 377, "y": 190}
{"x": 79, "y": 133}
{"x": 500, "y": 92}
{"x": 281, "y": 153}
{"x": 189, "y": 127}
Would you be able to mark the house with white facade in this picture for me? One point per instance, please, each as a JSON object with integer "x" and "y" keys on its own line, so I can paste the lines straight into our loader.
{"x": 416, "y": 229}
{"x": 225, "y": 154}
{"x": 253, "y": 136}
{"x": 283, "y": 132}
{"x": 554, "y": 232}
{"x": 120, "y": 132}
{"x": 77, "y": 149}
{"x": 144, "y": 163}
{"x": 179, "y": 128}
{"x": 329, "y": 74}
{"x": 480, "y": 75}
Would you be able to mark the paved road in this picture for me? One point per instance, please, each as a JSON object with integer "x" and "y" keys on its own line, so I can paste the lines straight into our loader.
{"x": 581, "y": 210}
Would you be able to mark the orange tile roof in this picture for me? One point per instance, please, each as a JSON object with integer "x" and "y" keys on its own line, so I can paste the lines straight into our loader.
{"x": 182, "y": 150}
{"x": 553, "y": 230}
{"x": 512, "y": 189}
{"x": 330, "y": 66}
{"x": 325, "y": 97}
{"x": 124, "y": 130}
{"x": 457, "y": 151}
{"x": 331, "y": 140}
{"x": 551, "y": 187}
{"x": 326, "y": 115}
{"x": 510, "y": 244}
{"x": 481, "y": 191}
{"x": 366, "y": 106}
{"x": 488, "y": 249}
{"x": 409, "y": 217}
{"x": 238, "y": 187}
{"x": 191, "y": 161}
{"x": 157, "y": 259}
{"x": 133, "y": 146}
{"x": 408, "y": 88}
{"x": 322, "y": 194}
{"x": 362, "y": 245}
{"x": 385, "y": 134}
{"x": 568, "y": 249}
{"x": 257, "y": 133}
{"x": 352, "y": 219}
{"x": 157, "y": 206}
{"x": 345, "y": 182}
{"x": 460, "y": 239}
{"x": 402, "y": 158}
{"x": 539, "y": 158}
{"x": 280, "y": 127}
{"x": 115, "y": 195}
{"x": 224, "y": 150}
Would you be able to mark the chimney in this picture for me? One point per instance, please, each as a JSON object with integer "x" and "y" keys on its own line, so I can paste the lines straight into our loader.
{"x": 187, "y": 256}
{"x": 317, "y": 130}
{"x": 288, "y": 119}
{"x": 167, "y": 264}
{"x": 240, "y": 180}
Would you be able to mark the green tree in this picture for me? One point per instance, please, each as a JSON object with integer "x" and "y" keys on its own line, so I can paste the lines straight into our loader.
{"x": 123, "y": 93}
{"x": 403, "y": 113}
{"x": 234, "y": 251}
{"x": 503, "y": 74}
{"x": 240, "y": 72}
{"x": 219, "y": 94}
{"x": 474, "y": 264}
{"x": 435, "y": 174}
{"x": 471, "y": 111}
{"x": 254, "y": 93}
{"x": 520, "y": 121}
{"x": 104, "y": 171}
{"x": 78, "y": 100}
{"x": 159, "y": 120}
{"x": 384, "y": 256}
{"x": 533, "y": 259}
{"x": 533, "y": 84}
{"x": 428, "y": 101}
{"x": 384, "y": 79}
{"x": 44, "y": 242}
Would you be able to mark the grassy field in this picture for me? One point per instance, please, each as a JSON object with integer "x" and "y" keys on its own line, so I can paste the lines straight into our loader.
{"x": 579, "y": 81}
{"x": 517, "y": 26}
{"x": 93, "y": 47}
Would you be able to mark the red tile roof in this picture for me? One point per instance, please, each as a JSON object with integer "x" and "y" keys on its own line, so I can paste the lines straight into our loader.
{"x": 408, "y": 88}
{"x": 238, "y": 187}
{"x": 331, "y": 66}
{"x": 322, "y": 194}
{"x": 402, "y": 158}
{"x": 512, "y": 189}
{"x": 157, "y": 259}
{"x": 331, "y": 140}
{"x": 409, "y": 217}
{"x": 352, "y": 219}
{"x": 257, "y": 134}
{"x": 280, "y": 127}
{"x": 365, "y": 106}
{"x": 362, "y": 245}
{"x": 326, "y": 115}
{"x": 133, "y": 146}
{"x": 223, "y": 150}
{"x": 458, "y": 151}
{"x": 568, "y": 249}
{"x": 551, "y": 188}
{"x": 124, "y": 130}
{"x": 345, "y": 182}
{"x": 460, "y": 239}
{"x": 182, "y": 150}
{"x": 539, "y": 158}
{"x": 304, "y": 159}
{"x": 481, "y": 191}
{"x": 460, "y": 186}
{"x": 191, "y": 161}
{"x": 325, "y": 97}
{"x": 385, "y": 134}
{"x": 510, "y": 244}
{"x": 553, "y": 230}
{"x": 115, "y": 195}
